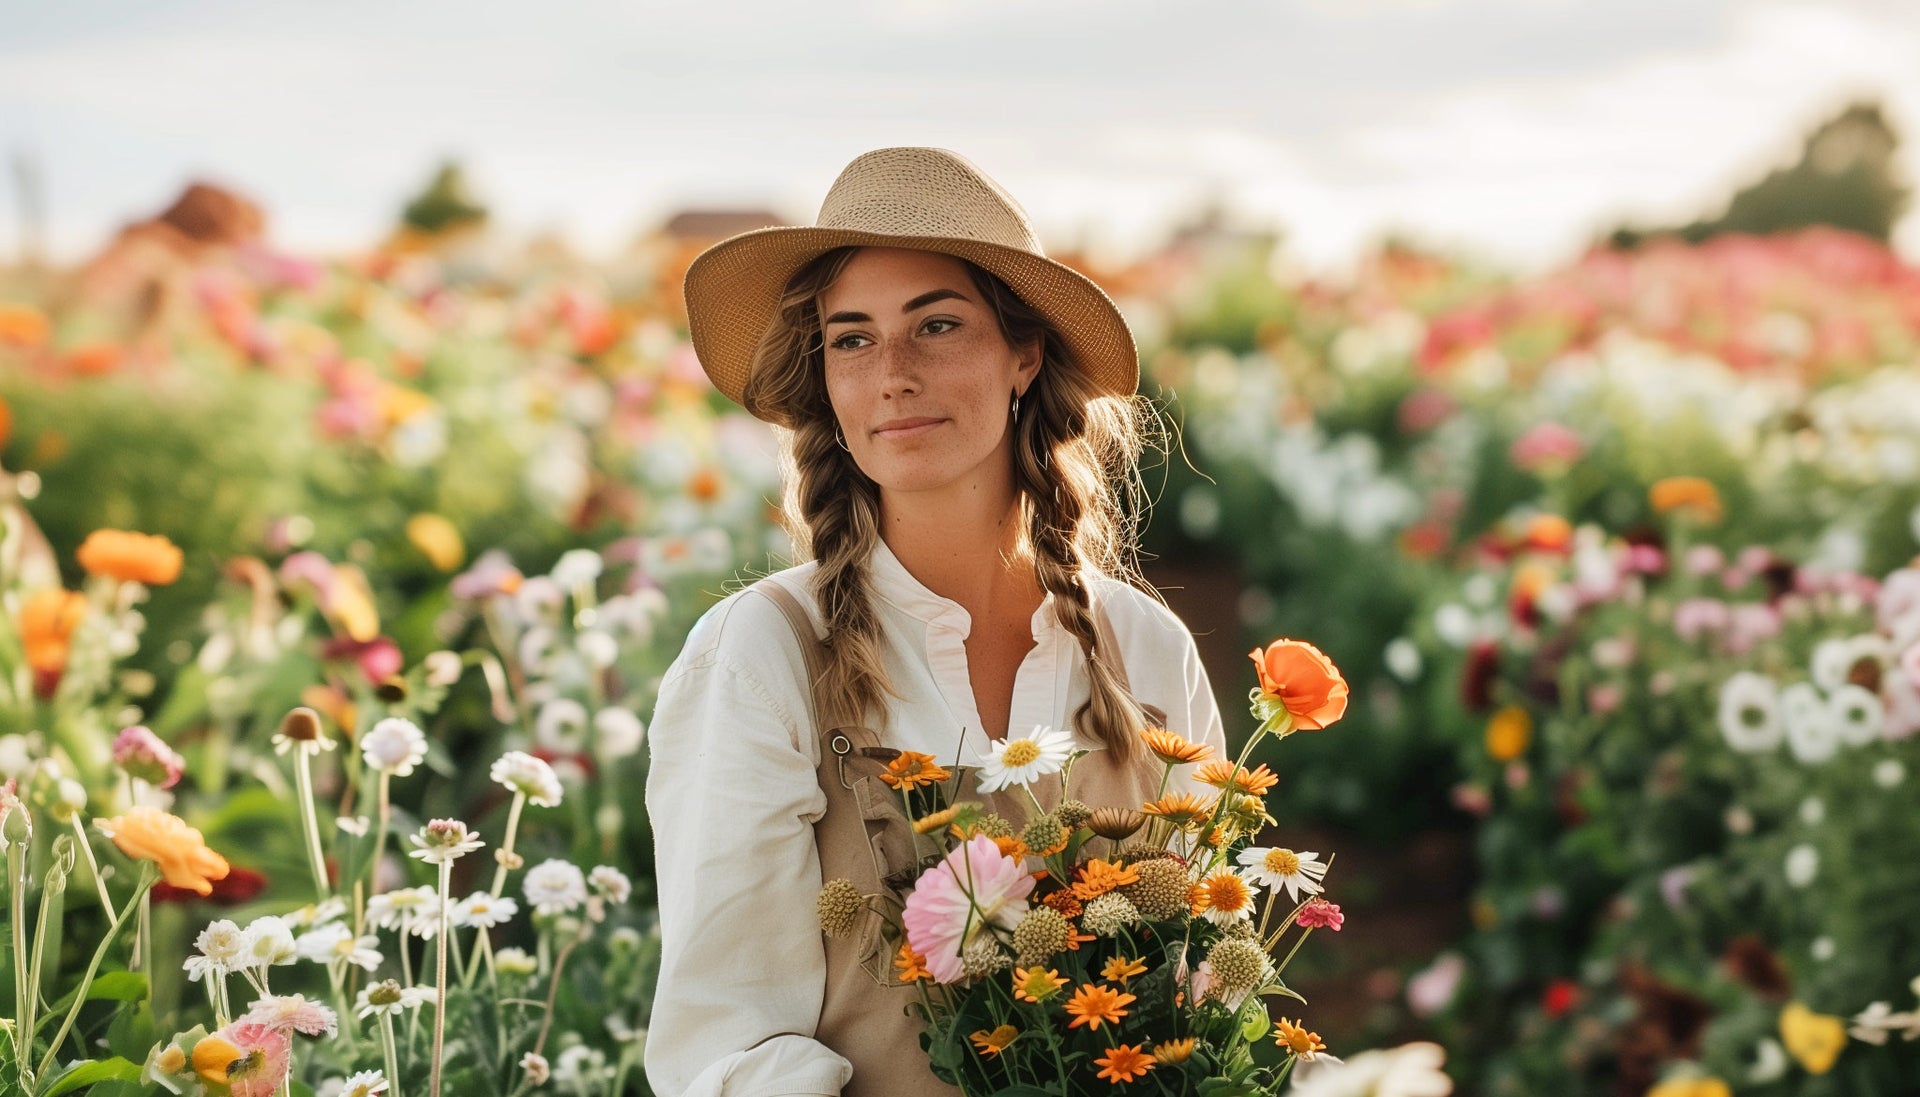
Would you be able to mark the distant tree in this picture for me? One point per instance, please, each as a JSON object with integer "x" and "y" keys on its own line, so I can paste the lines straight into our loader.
{"x": 446, "y": 204}
{"x": 1847, "y": 177}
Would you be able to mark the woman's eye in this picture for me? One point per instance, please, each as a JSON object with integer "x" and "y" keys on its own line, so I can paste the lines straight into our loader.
{"x": 847, "y": 342}
{"x": 945, "y": 325}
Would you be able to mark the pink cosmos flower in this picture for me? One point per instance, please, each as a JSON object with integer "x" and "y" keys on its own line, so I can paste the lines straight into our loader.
{"x": 144, "y": 755}
{"x": 1547, "y": 446}
{"x": 954, "y": 901}
{"x": 1320, "y": 914}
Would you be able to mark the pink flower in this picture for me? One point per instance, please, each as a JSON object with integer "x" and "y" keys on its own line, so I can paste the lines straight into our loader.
{"x": 1750, "y": 624}
{"x": 292, "y": 1013}
{"x": 265, "y": 1055}
{"x": 144, "y": 755}
{"x": 955, "y": 901}
{"x": 1547, "y": 446}
{"x": 1696, "y": 617}
{"x": 378, "y": 658}
{"x": 1320, "y": 914}
{"x": 1705, "y": 560}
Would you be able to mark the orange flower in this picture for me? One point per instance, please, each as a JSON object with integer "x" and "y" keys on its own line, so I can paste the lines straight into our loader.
{"x": 1508, "y": 733}
{"x": 1221, "y": 775}
{"x": 1196, "y": 899}
{"x": 913, "y": 769}
{"x": 1036, "y": 984}
{"x": 1124, "y": 1064}
{"x": 1693, "y": 494}
{"x": 136, "y": 557}
{"x": 212, "y": 1055}
{"x": 47, "y": 621}
{"x": 23, "y": 326}
{"x": 1012, "y": 847}
{"x": 1120, "y": 969}
{"x": 1093, "y": 1004}
{"x": 1173, "y": 1052}
{"x": 1296, "y": 1039}
{"x": 912, "y": 965}
{"x": 148, "y": 834}
{"x": 1547, "y": 533}
{"x": 1075, "y": 939}
{"x": 1098, "y": 877}
{"x": 94, "y": 359}
{"x": 1065, "y": 902}
{"x": 1182, "y": 809}
{"x": 1173, "y": 749}
{"x": 1303, "y": 680}
{"x": 927, "y": 824}
{"x": 1228, "y": 896}
{"x": 993, "y": 1043}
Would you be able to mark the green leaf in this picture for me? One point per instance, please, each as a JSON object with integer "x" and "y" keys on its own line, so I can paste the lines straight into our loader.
{"x": 88, "y": 1073}
{"x": 112, "y": 986}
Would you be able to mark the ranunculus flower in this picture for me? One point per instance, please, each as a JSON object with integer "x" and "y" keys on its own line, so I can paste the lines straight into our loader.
{"x": 138, "y": 557}
{"x": 1303, "y": 681}
{"x": 148, "y": 834}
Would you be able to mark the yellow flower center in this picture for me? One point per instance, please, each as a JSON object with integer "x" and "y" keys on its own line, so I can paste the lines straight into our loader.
{"x": 1020, "y": 752}
{"x": 1283, "y": 862}
{"x": 1227, "y": 893}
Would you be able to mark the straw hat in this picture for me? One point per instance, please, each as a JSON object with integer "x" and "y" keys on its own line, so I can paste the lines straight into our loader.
{"x": 923, "y": 198}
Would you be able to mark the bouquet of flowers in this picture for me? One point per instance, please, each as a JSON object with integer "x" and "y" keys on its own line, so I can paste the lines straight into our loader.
{"x": 1093, "y": 946}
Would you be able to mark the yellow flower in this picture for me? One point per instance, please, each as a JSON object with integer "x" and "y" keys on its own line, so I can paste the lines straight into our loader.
{"x": 1173, "y": 1052}
{"x": 1036, "y": 984}
{"x": 1174, "y": 749}
{"x": 1120, "y": 969}
{"x": 1296, "y": 1039}
{"x": 211, "y": 1058}
{"x": 1508, "y": 733}
{"x": 1815, "y": 1039}
{"x": 913, "y": 769}
{"x": 148, "y": 834}
{"x": 438, "y": 540}
{"x": 136, "y": 557}
{"x": 350, "y": 603}
{"x": 1223, "y": 776}
{"x": 172, "y": 1060}
{"x": 1695, "y": 495}
{"x": 1691, "y": 1087}
{"x": 927, "y": 824}
{"x": 993, "y": 1043}
{"x": 1182, "y": 809}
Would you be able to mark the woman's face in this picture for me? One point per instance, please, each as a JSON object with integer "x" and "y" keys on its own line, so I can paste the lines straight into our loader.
{"x": 919, "y": 376}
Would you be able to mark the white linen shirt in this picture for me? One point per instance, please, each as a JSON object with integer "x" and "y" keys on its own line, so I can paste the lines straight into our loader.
{"x": 732, "y": 795}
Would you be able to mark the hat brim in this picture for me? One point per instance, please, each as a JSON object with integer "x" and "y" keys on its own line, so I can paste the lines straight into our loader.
{"x": 733, "y": 290}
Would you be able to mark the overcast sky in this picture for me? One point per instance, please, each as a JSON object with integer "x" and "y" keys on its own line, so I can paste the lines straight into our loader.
{"x": 1514, "y": 128}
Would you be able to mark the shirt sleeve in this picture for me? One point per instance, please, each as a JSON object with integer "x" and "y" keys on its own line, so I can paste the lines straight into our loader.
{"x": 732, "y": 796}
{"x": 1203, "y": 713}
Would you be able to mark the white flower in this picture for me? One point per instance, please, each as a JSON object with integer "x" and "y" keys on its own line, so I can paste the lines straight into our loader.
{"x": 267, "y": 941}
{"x": 1888, "y": 773}
{"x": 1411, "y": 1070}
{"x": 220, "y": 945}
{"x": 1803, "y": 864}
{"x": 1812, "y": 731}
{"x": 1276, "y": 868}
{"x": 1770, "y": 1062}
{"x": 1749, "y": 713}
{"x": 388, "y": 996}
{"x": 1813, "y": 811}
{"x": 515, "y": 961}
{"x": 400, "y": 908}
{"x": 321, "y": 943}
{"x": 1858, "y": 714}
{"x": 1875, "y": 1023}
{"x": 1403, "y": 658}
{"x": 617, "y": 733}
{"x": 522, "y": 773}
{"x": 394, "y": 746}
{"x": 367, "y": 1083}
{"x": 610, "y": 883}
{"x": 554, "y": 886}
{"x": 579, "y": 1066}
{"x": 1024, "y": 760}
{"x": 357, "y": 826}
{"x": 597, "y": 649}
{"x": 560, "y": 723}
{"x": 576, "y": 568}
{"x": 535, "y": 1066}
{"x": 443, "y": 841}
{"x": 1822, "y": 948}
{"x": 331, "y": 909}
{"x": 484, "y": 910}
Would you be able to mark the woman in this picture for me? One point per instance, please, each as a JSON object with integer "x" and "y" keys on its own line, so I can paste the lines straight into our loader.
{"x": 959, "y": 420}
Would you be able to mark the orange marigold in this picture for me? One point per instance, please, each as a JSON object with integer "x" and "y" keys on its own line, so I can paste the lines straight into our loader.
{"x": 149, "y": 834}
{"x": 1174, "y": 749}
{"x": 1098, "y": 877}
{"x": 1182, "y": 809}
{"x": 1694, "y": 494}
{"x": 136, "y": 557}
{"x": 1094, "y": 1004}
{"x": 1124, "y": 1063}
{"x": 1223, "y": 775}
{"x": 913, "y": 769}
{"x": 1303, "y": 680}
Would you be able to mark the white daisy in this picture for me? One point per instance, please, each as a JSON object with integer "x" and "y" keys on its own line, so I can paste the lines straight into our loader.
{"x": 617, "y": 733}
{"x": 220, "y": 947}
{"x": 1858, "y": 714}
{"x": 267, "y": 941}
{"x": 554, "y": 886}
{"x": 1275, "y": 868}
{"x": 560, "y": 725}
{"x": 366, "y": 1083}
{"x": 388, "y": 996}
{"x": 443, "y": 841}
{"x": 1022, "y": 761}
{"x": 394, "y": 746}
{"x": 610, "y": 883}
{"x": 1812, "y": 732}
{"x": 523, "y": 773}
{"x": 576, "y": 568}
{"x": 399, "y": 908}
{"x": 321, "y": 944}
{"x": 484, "y": 910}
{"x": 1750, "y": 713}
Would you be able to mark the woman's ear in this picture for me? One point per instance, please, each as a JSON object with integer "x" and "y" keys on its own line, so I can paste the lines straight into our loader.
{"x": 1031, "y": 356}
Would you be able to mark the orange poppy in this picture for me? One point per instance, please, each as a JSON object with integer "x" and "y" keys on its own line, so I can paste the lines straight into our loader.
{"x": 1303, "y": 680}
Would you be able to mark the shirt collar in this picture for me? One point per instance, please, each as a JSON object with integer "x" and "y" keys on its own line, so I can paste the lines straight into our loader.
{"x": 893, "y": 582}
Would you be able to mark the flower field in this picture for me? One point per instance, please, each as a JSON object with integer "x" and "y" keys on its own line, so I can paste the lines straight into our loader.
{"x": 336, "y": 596}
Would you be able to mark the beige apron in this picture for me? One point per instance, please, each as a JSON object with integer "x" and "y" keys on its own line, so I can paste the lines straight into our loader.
{"x": 868, "y": 1016}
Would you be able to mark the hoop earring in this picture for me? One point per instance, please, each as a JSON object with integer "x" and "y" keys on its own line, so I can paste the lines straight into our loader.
{"x": 1016, "y": 407}
{"x": 841, "y": 439}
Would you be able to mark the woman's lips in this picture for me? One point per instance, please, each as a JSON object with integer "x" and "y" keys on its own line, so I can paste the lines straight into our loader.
{"x": 906, "y": 428}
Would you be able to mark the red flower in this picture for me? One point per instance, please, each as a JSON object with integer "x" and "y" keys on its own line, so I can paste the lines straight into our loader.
{"x": 1560, "y": 996}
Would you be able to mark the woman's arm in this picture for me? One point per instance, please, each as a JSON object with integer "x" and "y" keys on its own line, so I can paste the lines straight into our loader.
{"x": 732, "y": 796}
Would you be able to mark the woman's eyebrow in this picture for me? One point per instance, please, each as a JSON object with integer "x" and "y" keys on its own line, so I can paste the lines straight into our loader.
{"x": 919, "y": 302}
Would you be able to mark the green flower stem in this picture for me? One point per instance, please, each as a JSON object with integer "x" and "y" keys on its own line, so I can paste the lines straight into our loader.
{"x": 25, "y": 995}
{"x": 501, "y": 856}
{"x": 440, "y": 977}
{"x": 303, "y": 783}
{"x": 553, "y": 992}
{"x": 148, "y": 874}
{"x": 392, "y": 1055}
{"x": 385, "y": 818}
{"x": 86, "y": 848}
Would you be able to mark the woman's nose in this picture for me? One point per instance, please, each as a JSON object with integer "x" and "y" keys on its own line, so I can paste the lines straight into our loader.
{"x": 900, "y": 365}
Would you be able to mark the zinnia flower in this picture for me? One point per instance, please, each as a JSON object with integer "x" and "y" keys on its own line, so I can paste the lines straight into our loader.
{"x": 130, "y": 557}
{"x": 292, "y": 1013}
{"x": 1124, "y": 1064}
{"x": 1278, "y": 868}
{"x": 148, "y": 834}
{"x": 954, "y": 902}
{"x": 1098, "y": 877}
{"x": 1025, "y": 760}
{"x": 1298, "y": 679}
{"x": 1320, "y": 914}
